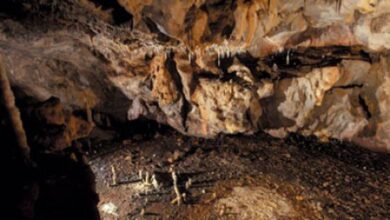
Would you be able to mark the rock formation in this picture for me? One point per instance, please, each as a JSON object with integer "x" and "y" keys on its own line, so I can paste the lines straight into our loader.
{"x": 314, "y": 67}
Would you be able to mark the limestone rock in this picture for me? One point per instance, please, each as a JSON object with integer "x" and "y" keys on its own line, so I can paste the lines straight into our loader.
{"x": 52, "y": 127}
{"x": 314, "y": 67}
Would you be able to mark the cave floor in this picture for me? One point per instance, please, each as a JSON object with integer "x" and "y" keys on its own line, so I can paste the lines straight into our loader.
{"x": 240, "y": 177}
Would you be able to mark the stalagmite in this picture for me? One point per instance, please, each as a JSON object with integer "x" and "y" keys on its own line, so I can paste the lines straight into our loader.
{"x": 8, "y": 100}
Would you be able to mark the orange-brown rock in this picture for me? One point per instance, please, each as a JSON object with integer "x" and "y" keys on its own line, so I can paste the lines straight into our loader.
{"x": 314, "y": 67}
{"x": 52, "y": 127}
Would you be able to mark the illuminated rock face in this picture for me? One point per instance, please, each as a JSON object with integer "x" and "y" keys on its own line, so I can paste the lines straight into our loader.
{"x": 266, "y": 26}
{"x": 210, "y": 67}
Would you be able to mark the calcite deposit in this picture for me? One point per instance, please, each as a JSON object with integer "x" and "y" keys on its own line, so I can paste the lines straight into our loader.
{"x": 313, "y": 67}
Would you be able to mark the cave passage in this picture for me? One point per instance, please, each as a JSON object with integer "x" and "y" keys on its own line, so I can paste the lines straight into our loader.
{"x": 309, "y": 179}
{"x": 238, "y": 109}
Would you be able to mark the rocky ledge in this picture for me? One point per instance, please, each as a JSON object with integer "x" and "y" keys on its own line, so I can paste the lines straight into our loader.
{"x": 212, "y": 67}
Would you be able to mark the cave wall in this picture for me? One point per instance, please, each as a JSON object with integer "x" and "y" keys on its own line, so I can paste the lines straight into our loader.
{"x": 212, "y": 67}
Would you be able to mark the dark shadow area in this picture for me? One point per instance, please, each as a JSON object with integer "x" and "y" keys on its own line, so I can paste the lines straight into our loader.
{"x": 342, "y": 151}
{"x": 12, "y": 8}
{"x": 290, "y": 62}
{"x": 119, "y": 14}
{"x": 140, "y": 129}
{"x": 66, "y": 188}
{"x": 60, "y": 185}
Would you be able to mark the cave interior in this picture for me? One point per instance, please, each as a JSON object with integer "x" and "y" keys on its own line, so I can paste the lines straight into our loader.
{"x": 195, "y": 109}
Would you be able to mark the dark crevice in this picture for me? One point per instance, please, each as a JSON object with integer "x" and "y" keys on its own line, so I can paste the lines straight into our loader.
{"x": 206, "y": 75}
{"x": 252, "y": 64}
{"x": 201, "y": 75}
{"x": 296, "y": 59}
{"x": 228, "y": 30}
{"x": 345, "y": 87}
{"x": 248, "y": 60}
{"x": 119, "y": 14}
{"x": 364, "y": 106}
{"x": 219, "y": 23}
{"x": 249, "y": 118}
{"x": 292, "y": 63}
{"x": 13, "y": 8}
{"x": 224, "y": 64}
{"x": 153, "y": 27}
{"x": 215, "y": 27}
{"x": 234, "y": 78}
{"x": 217, "y": 3}
{"x": 190, "y": 19}
{"x": 170, "y": 64}
{"x": 142, "y": 126}
{"x": 223, "y": 78}
{"x": 350, "y": 86}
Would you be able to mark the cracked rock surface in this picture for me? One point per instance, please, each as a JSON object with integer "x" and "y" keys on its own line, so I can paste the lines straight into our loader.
{"x": 211, "y": 67}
